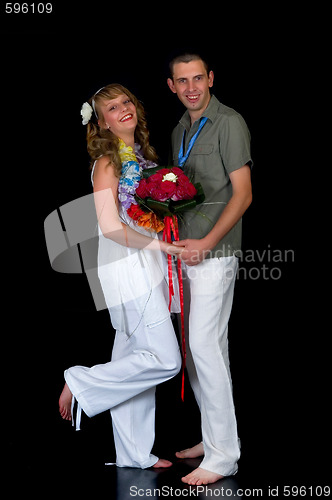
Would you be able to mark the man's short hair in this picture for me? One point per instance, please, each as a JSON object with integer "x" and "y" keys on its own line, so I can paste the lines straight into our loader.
{"x": 186, "y": 58}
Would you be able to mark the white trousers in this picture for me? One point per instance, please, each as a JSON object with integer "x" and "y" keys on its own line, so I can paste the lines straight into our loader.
{"x": 126, "y": 385}
{"x": 208, "y": 289}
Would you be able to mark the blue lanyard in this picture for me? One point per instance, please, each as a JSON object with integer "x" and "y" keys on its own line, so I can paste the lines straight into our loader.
{"x": 183, "y": 158}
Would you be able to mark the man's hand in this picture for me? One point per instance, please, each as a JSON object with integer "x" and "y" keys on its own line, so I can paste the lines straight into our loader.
{"x": 194, "y": 251}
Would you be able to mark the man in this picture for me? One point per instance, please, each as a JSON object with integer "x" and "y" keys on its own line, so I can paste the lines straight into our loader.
{"x": 212, "y": 144}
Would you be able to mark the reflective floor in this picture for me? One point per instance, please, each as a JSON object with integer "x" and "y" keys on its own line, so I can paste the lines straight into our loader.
{"x": 47, "y": 455}
{"x": 283, "y": 442}
{"x": 132, "y": 483}
{"x": 58, "y": 458}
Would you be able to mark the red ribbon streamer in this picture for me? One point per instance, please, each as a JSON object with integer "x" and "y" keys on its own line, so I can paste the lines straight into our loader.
{"x": 171, "y": 226}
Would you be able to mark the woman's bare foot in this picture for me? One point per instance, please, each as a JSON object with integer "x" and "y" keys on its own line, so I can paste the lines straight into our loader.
{"x": 194, "y": 452}
{"x": 162, "y": 463}
{"x": 201, "y": 476}
{"x": 65, "y": 403}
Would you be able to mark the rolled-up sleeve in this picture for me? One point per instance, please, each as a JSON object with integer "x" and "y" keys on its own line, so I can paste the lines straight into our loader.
{"x": 234, "y": 142}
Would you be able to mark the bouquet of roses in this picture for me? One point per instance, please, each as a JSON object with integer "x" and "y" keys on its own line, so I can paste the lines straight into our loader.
{"x": 161, "y": 193}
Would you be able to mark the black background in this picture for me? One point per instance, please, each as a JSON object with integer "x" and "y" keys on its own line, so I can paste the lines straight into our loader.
{"x": 264, "y": 63}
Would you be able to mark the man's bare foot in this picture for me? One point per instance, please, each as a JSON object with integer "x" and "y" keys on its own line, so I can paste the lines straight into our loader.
{"x": 65, "y": 403}
{"x": 162, "y": 463}
{"x": 194, "y": 452}
{"x": 201, "y": 476}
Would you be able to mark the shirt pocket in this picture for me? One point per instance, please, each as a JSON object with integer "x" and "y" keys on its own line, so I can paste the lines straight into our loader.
{"x": 202, "y": 149}
{"x": 204, "y": 164}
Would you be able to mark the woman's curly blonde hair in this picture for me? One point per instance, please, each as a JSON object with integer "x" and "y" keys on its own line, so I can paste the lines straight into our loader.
{"x": 102, "y": 142}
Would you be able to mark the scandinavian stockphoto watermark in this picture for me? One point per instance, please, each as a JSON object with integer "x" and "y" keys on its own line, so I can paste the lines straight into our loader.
{"x": 254, "y": 264}
{"x": 72, "y": 237}
{"x": 265, "y": 264}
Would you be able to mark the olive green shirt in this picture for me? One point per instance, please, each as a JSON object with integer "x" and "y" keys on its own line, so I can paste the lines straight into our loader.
{"x": 222, "y": 146}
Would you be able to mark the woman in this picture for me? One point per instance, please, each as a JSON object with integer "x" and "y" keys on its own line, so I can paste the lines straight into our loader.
{"x": 131, "y": 266}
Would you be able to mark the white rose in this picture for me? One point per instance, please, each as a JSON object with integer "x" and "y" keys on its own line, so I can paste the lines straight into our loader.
{"x": 86, "y": 113}
{"x": 170, "y": 177}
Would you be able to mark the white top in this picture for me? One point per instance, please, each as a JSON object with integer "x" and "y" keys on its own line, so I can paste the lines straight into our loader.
{"x": 130, "y": 278}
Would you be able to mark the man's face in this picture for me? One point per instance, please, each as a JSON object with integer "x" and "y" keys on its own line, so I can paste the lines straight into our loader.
{"x": 191, "y": 83}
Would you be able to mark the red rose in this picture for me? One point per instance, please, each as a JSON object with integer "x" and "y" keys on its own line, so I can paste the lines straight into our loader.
{"x": 183, "y": 180}
{"x": 179, "y": 194}
{"x": 153, "y": 185}
{"x": 156, "y": 178}
{"x": 168, "y": 187}
{"x": 142, "y": 190}
{"x": 156, "y": 193}
{"x": 184, "y": 192}
{"x": 164, "y": 171}
{"x": 191, "y": 191}
{"x": 177, "y": 171}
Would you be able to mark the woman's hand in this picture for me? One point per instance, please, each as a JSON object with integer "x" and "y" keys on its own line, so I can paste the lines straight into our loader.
{"x": 171, "y": 249}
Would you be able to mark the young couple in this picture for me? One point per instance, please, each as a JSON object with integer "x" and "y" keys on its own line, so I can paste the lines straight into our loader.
{"x": 212, "y": 145}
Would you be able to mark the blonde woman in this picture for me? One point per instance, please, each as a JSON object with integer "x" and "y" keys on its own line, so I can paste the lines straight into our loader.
{"x": 131, "y": 269}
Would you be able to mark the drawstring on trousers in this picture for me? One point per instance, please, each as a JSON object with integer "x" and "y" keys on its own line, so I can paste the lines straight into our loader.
{"x": 78, "y": 414}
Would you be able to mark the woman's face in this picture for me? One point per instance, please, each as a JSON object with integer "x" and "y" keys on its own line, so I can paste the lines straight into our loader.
{"x": 119, "y": 115}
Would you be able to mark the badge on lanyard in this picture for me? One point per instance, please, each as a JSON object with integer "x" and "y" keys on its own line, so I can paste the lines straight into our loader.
{"x": 183, "y": 158}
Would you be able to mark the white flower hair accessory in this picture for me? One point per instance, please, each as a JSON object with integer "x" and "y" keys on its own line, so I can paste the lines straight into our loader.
{"x": 86, "y": 113}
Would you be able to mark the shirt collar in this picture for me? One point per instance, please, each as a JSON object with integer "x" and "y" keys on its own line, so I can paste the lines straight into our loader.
{"x": 210, "y": 113}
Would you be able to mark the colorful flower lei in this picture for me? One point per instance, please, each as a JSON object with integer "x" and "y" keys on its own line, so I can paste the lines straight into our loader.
{"x": 130, "y": 175}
